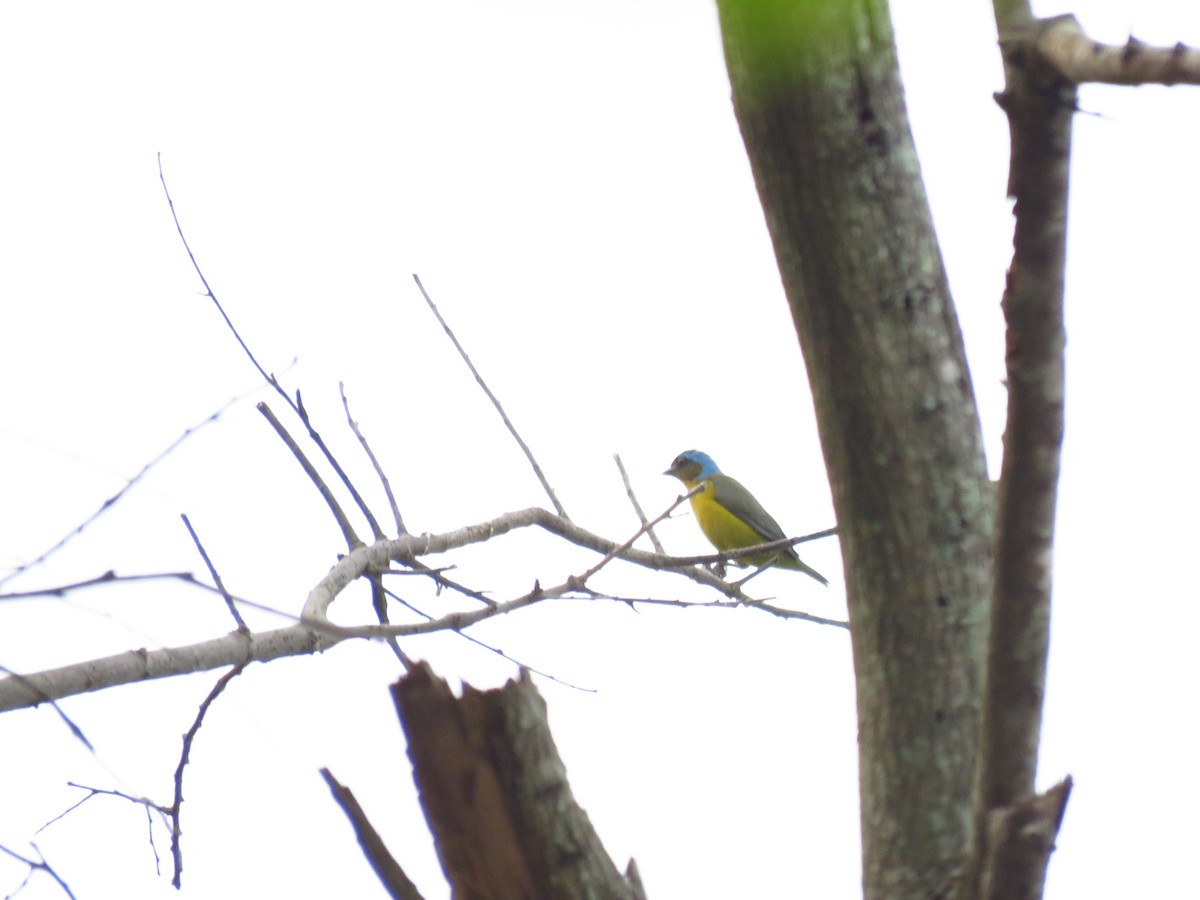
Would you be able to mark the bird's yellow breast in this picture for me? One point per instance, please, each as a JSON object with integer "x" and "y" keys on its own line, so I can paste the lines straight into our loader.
{"x": 724, "y": 530}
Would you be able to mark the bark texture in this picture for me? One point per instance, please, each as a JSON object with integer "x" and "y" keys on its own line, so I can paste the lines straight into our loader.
{"x": 817, "y": 93}
{"x": 1014, "y": 828}
{"x": 495, "y": 794}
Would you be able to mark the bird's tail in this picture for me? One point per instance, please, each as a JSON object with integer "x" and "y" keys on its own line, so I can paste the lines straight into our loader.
{"x": 795, "y": 562}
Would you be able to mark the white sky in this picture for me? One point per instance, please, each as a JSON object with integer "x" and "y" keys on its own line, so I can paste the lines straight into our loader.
{"x": 568, "y": 180}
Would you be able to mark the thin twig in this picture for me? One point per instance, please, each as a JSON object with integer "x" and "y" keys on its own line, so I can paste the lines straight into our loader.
{"x": 212, "y": 570}
{"x": 755, "y": 550}
{"x": 796, "y": 614}
{"x": 761, "y": 605}
{"x": 379, "y": 601}
{"x": 442, "y": 581}
{"x": 149, "y": 806}
{"x": 208, "y": 291}
{"x": 153, "y": 845}
{"x": 387, "y": 485}
{"x": 39, "y": 864}
{"x": 177, "y": 807}
{"x": 645, "y": 527}
{"x": 573, "y": 586}
{"x": 74, "y": 806}
{"x": 163, "y": 811}
{"x": 109, "y": 577}
{"x": 496, "y": 650}
{"x": 115, "y": 498}
{"x": 352, "y": 539}
{"x": 296, "y": 406}
{"x": 637, "y": 507}
{"x": 537, "y": 470}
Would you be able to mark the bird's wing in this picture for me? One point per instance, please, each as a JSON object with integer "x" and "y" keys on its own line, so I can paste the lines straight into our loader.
{"x": 730, "y": 494}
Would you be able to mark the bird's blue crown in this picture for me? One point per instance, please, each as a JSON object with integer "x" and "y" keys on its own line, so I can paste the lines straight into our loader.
{"x": 707, "y": 466}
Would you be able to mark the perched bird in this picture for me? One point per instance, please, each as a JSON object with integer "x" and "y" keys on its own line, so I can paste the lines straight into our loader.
{"x": 729, "y": 515}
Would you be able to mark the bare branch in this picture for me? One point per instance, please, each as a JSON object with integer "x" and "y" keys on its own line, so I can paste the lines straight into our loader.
{"x": 116, "y": 498}
{"x": 133, "y": 666}
{"x": 352, "y": 539}
{"x": 645, "y": 527}
{"x": 177, "y": 806}
{"x": 439, "y": 579}
{"x": 1039, "y": 112}
{"x": 410, "y": 546}
{"x": 537, "y": 470}
{"x": 761, "y": 605}
{"x": 107, "y": 792}
{"x": 387, "y": 485}
{"x": 1040, "y": 104}
{"x": 574, "y": 587}
{"x": 637, "y": 507}
{"x": 1062, "y": 44}
{"x": 109, "y": 577}
{"x": 37, "y": 865}
{"x": 486, "y": 646}
{"x": 208, "y": 291}
{"x": 150, "y": 807}
{"x": 212, "y": 570}
{"x": 296, "y": 405}
{"x": 782, "y": 613}
{"x": 389, "y": 871}
{"x": 315, "y": 633}
{"x": 379, "y": 597}
{"x": 754, "y": 549}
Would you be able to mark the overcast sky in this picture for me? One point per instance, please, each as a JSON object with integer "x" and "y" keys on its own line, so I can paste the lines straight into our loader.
{"x": 568, "y": 180}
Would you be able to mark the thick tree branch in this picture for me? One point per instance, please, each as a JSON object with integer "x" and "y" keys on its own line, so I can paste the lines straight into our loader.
{"x": 1040, "y": 104}
{"x": 133, "y": 666}
{"x": 314, "y": 633}
{"x": 385, "y": 865}
{"x": 1062, "y": 44}
{"x": 1040, "y": 114}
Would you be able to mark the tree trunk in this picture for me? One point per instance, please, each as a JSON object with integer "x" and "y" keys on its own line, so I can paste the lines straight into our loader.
{"x": 817, "y": 92}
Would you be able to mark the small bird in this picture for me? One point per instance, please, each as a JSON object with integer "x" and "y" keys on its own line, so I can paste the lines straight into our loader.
{"x": 729, "y": 515}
